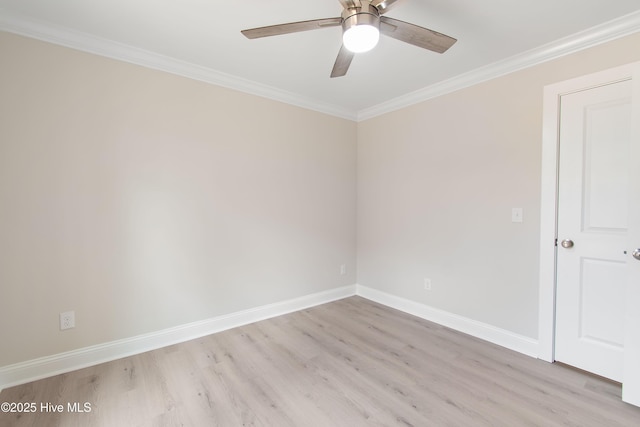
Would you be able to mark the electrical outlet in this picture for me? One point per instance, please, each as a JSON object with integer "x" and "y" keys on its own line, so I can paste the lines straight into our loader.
{"x": 427, "y": 284}
{"x": 343, "y": 269}
{"x": 67, "y": 320}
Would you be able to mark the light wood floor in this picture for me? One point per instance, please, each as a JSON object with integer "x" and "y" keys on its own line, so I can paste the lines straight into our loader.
{"x": 347, "y": 363}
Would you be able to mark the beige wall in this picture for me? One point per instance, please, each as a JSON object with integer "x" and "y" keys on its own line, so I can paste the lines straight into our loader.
{"x": 143, "y": 200}
{"x": 436, "y": 184}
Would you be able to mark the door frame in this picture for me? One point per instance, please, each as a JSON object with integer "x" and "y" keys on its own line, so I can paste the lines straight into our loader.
{"x": 549, "y": 197}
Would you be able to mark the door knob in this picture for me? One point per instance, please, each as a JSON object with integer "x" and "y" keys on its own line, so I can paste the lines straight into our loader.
{"x": 567, "y": 243}
{"x": 636, "y": 254}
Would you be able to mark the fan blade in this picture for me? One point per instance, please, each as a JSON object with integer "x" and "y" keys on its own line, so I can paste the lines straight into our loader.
{"x": 415, "y": 35}
{"x": 292, "y": 27}
{"x": 383, "y": 5}
{"x": 342, "y": 62}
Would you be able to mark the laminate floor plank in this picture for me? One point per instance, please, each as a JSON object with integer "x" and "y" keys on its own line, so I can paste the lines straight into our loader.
{"x": 295, "y": 386}
{"x": 400, "y": 374}
{"x": 489, "y": 371}
{"x": 351, "y": 363}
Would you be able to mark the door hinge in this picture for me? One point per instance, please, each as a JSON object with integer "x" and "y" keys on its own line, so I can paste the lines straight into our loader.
{"x": 555, "y": 243}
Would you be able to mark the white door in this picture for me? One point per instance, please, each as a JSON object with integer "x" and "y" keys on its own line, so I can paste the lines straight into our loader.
{"x": 631, "y": 380}
{"x": 593, "y": 227}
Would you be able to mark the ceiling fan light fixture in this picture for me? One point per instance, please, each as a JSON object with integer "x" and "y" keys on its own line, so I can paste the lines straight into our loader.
{"x": 361, "y": 32}
{"x": 361, "y": 38}
{"x": 361, "y": 22}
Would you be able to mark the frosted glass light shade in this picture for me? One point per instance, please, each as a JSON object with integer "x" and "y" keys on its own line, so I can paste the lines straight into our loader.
{"x": 360, "y": 38}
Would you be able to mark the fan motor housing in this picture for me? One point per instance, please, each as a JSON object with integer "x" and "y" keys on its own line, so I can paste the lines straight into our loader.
{"x": 364, "y": 15}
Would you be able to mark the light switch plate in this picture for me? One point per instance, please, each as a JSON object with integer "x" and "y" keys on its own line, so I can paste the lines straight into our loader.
{"x": 516, "y": 214}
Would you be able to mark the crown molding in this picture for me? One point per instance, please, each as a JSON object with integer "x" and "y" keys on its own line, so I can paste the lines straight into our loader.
{"x": 21, "y": 25}
{"x": 594, "y": 36}
{"x": 603, "y": 33}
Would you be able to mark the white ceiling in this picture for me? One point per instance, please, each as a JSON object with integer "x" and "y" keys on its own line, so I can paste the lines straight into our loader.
{"x": 202, "y": 39}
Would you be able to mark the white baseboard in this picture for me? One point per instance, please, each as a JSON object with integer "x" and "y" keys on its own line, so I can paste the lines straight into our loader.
{"x": 43, "y": 367}
{"x": 501, "y": 337}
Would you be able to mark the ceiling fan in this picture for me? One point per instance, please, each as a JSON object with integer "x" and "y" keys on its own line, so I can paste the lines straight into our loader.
{"x": 362, "y": 22}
